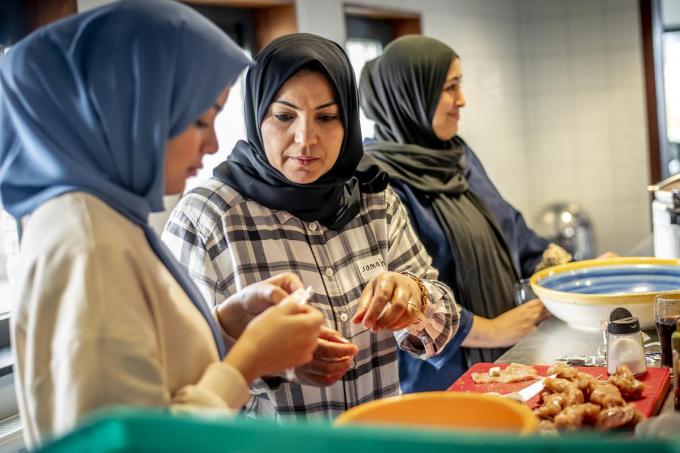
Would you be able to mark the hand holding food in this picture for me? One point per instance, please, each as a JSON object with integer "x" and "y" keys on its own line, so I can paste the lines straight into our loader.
{"x": 332, "y": 358}
{"x": 391, "y": 301}
{"x": 282, "y": 337}
{"x": 237, "y": 311}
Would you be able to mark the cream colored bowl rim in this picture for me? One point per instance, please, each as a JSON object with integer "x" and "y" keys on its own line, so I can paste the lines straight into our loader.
{"x": 598, "y": 299}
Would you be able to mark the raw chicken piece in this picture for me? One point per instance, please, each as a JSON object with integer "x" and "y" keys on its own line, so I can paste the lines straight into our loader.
{"x": 606, "y": 395}
{"x": 581, "y": 379}
{"x": 631, "y": 388}
{"x": 514, "y": 372}
{"x": 559, "y": 394}
{"x": 617, "y": 417}
{"x": 547, "y": 427}
{"x": 584, "y": 382}
{"x": 573, "y": 396}
{"x": 576, "y": 416}
{"x": 570, "y": 393}
{"x": 563, "y": 371}
{"x": 552, "y": 405}
{"x": 575, "y": 399}
{"x": 557, "y": 385}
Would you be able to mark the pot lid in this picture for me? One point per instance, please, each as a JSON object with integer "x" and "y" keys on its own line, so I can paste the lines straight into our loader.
{"x": 667, "y": 184}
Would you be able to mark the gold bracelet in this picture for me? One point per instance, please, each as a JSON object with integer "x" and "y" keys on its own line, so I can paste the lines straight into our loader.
{"x": 424, "y": 293}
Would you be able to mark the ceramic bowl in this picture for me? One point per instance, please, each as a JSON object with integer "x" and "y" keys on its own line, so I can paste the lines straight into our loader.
{"x": 583, "y": 293}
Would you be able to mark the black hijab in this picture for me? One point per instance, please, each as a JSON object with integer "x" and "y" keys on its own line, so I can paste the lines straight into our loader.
{"x": 333, "y": 199}
{"x": 400, "y": 91}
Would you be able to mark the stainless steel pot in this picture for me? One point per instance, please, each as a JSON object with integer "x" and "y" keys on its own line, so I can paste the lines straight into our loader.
{"x": 666, "y": 217}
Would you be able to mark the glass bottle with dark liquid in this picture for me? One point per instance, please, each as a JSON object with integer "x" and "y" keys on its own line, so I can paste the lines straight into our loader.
{"x": 665, "y": 327}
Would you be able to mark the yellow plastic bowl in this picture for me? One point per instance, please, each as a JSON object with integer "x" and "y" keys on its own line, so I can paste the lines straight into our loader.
{"x": 446, "y": 410}
{"x": 585, "y": 311}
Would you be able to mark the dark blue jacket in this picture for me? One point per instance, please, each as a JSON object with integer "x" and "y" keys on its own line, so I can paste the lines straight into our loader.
{"x": 525, "y": 246}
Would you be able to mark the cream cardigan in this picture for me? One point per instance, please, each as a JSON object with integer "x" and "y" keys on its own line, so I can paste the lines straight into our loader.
{"x": 98, "y": 321}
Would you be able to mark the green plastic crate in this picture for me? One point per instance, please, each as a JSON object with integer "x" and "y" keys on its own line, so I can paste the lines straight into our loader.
{"x": 150, "y": 431}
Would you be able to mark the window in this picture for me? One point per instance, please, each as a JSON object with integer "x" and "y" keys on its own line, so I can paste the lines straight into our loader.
{"x": 8, "y": 248}
{"x": 359, "y": 52}
{"x": 4, "y": 283}
{"x": 369, "y": 30}
{"x": 671, "y": 77}
{"x": 661, "y": 53}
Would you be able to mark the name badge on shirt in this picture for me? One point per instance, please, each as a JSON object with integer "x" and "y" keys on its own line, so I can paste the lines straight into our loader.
{"x": 371, "y": 266}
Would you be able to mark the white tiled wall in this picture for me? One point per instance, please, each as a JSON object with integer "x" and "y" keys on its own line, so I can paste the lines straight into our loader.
{"x": 584, "y": 98}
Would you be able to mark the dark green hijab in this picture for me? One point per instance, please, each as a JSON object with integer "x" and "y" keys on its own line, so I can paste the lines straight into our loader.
{"x": 400, "y": 91}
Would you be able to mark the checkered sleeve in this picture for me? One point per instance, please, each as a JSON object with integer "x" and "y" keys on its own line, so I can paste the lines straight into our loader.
{"x": 190, "y": 236}
{"x": 407, "y": 254}
{"x": 189, "y": 241}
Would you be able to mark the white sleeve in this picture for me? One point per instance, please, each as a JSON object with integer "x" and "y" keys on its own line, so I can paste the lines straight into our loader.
{"x": 91, "y": 322}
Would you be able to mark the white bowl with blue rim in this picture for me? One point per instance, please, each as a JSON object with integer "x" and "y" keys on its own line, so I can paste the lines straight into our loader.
{"x": 583, "y": 293}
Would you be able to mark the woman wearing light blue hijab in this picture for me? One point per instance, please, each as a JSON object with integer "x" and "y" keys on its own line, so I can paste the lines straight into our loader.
{"x": 100, "y": 115}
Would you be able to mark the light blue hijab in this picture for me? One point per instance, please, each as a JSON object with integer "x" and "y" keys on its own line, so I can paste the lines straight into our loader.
{"x": 88, "y": 104}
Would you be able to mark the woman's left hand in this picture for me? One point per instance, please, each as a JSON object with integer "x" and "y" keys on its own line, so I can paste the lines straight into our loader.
{"x": 391, "y": 301}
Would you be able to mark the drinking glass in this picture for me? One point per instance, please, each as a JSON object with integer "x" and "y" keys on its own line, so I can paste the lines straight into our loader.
{"x": 523, "y": 292}
{"x": 666, "y": 315}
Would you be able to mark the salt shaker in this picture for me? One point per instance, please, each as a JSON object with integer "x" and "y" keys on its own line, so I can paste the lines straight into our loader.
{"x": 624, "y": 343}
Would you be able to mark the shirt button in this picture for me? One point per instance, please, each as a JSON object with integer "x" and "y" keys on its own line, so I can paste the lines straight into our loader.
{"x": 329, "y": 272}
{"x": 344, "y": 317}
{"x": 312, "y": 226}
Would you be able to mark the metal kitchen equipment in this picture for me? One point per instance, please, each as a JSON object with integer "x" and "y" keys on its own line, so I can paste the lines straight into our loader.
{"x": 569, "y": 227}
{"x": 666, "y": 217}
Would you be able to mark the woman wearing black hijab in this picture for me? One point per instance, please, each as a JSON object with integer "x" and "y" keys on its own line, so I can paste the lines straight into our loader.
{"x": 479, "y": 243}
{"x": 290, "y": 198}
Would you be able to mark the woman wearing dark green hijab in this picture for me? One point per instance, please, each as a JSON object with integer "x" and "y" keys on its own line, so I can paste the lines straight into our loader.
{"x": 479, "y": 243}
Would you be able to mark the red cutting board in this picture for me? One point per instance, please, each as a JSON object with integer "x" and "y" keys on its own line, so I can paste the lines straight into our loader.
{"x": 657, "y": 382}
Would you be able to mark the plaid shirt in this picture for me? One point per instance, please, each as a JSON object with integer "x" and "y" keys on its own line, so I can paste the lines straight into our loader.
{"x": 226, "y": 242}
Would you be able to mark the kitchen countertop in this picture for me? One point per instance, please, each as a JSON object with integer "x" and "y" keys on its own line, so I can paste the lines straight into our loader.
{"x": 554, "y": 338}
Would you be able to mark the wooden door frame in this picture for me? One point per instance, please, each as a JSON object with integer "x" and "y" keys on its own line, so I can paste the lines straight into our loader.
{"x": 652, "y": 31}
{"x": 401, "y": 22}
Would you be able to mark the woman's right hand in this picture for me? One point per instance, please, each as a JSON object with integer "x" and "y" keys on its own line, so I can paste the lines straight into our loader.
{"x": 282, "y": 337}
{"x": 508, "y": 328}
{"x": 237, "y": 311}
